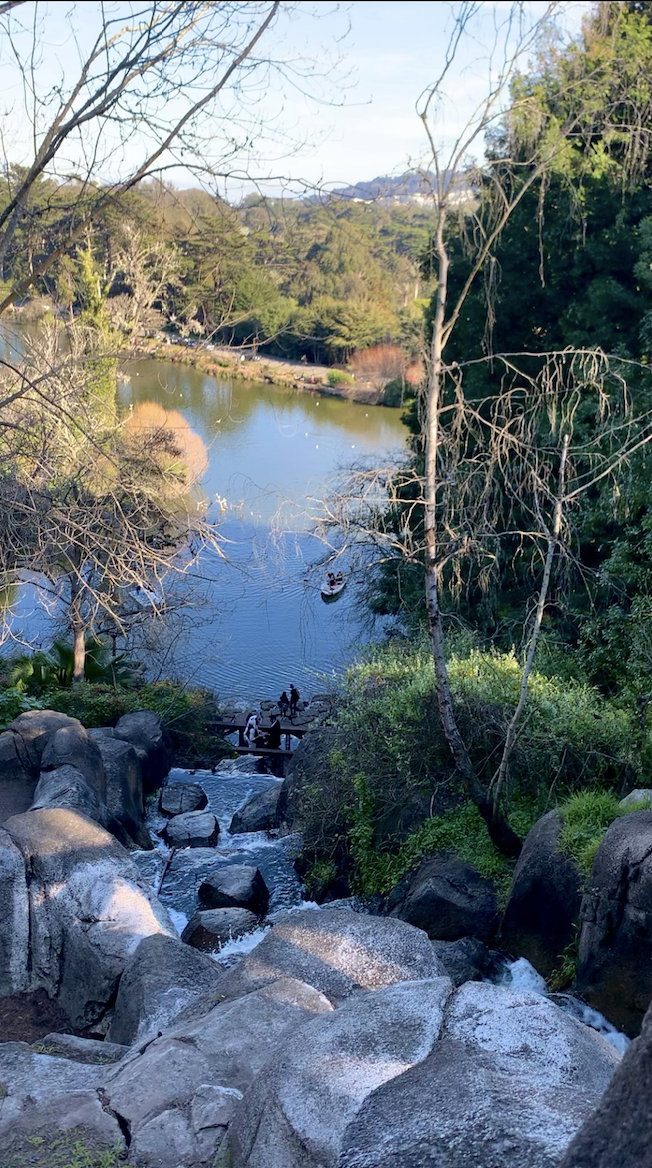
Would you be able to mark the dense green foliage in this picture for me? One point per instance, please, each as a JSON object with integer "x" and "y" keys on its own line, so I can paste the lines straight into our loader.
{"x": 389, "y": 795}
{"x": 586, "y": 817}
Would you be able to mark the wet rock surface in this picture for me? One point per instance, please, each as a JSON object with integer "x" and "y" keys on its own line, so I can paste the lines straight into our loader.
{"x": 178, "y": 798}
{"x": 235, "y": 886}
{"x": 194, "y": 829}
{"x": 260, "y": 813}
{"x": 211, "y": 928}
{"x": 449, "y": 900}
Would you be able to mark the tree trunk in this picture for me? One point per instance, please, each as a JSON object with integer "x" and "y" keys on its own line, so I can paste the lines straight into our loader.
{"x": 503, "y": 836}
{"x": 78, "y": 652}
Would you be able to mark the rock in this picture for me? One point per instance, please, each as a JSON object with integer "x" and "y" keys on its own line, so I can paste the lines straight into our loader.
{"x": 638, "y": 800}
{"x": 14, "y": 919}
{"x": 211, "y": 929}
{"x": 508, "y": 1083}
{"x": 337, "y": 952}
{"x": 296, "y": 1113}
{"x": 199, "y": 1070}
{"x": 178, "y": 798}
{"x": 235, "y": 886}
{"x": 88, "y": 909}
{"x": 43, "y": 1095}
{"x": 448, "y": 899}
{"x": 124, "y": 787}
{"x": 615, "y": 959}
{"x": 82, "y": 1050}
{"x": 543, "y": 907}
{"x": 619, "y": 1133}
{"x": 17, "y": 781}
{"x": 71, "y": 746}
{"x": 195, "y": 829}
{"x": 145, "y": 731}
{"x": 259, "y": 813}
{"x": 67, "y": 787}
{"x": 34, "y": 729}
{"x": 160, "y": 979}
{"x": 307, "y": 768}
{"x": 465, "y": 960}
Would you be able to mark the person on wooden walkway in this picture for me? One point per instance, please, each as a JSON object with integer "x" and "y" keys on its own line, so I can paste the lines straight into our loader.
{"x": 284, "y": 704}
{"x": 294, "y": 700}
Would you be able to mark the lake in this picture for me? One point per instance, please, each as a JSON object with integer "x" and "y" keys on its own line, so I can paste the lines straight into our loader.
{"x": 258, "y": 623}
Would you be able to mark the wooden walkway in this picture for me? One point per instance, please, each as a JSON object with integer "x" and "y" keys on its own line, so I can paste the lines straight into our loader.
{"x": 282, "y": 755}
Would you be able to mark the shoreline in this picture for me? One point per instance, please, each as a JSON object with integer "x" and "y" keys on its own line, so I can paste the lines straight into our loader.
{"x": 221, "y": 362}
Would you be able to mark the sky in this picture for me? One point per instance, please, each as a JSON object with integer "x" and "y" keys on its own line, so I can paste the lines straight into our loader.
{"x": 366, "y": 63}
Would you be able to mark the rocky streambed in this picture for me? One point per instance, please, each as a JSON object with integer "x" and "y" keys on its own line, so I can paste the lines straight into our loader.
{"x": 270, "y": 1034}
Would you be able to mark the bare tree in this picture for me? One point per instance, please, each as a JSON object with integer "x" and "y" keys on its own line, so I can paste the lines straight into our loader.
{"x": 162, "y": 85}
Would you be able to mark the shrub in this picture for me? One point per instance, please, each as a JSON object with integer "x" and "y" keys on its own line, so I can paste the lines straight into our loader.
{"x": 394, "y": 393}
{"x": 389, "y": 792}
{"x": 339, "y": 378}
{"x": 13, "y": 701}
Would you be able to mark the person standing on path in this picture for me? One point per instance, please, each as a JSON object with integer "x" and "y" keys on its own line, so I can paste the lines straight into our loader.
{"x": 294, "y": 700}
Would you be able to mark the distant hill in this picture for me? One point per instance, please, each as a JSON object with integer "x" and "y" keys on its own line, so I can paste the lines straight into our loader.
{"x": 403, "y": 188}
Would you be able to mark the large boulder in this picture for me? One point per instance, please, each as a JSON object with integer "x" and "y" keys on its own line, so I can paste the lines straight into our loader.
{"x": 124, "y": 787}
{"x": 615, "y": 959}
{"x": 160, "y": 979}
{"x": 14, "y": 919}
{"x": 21, "y": 749}
{"x": 145, "y": 731}
{"x": 67, "y": 787}
{"x": 48, "y": 1105}
{"x": 195, "y": 829}
{"x": 419, "y": 1075}
{"x": 177, "y": 1094}
{"x": 449, "y": 899}
{"x": 508, "y": 1083}
{"x": 210, "y": 930}
{"x": 466, "y": 960}
{"x": 88, "y": 909}
{"x": 296, "y": 1113}
{"x": 71, "y": 746}
{"x": 260, "y": 813}
{"x": 543, "y": 907}
{"x": 619, "y": 1133}
{"x": 337, "y": 952}
{"x": 235, "y": 886}
{"x": 177, "y": 798}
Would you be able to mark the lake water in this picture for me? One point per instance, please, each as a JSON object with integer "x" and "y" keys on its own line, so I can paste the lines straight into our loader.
{"x": 258, "y": 623}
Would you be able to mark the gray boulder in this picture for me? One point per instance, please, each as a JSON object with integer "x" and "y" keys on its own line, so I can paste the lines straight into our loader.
{"x": 92, "y": 1051}
{"x": 465, "y": 960}
{"x": 145, "y": 731}
{"x": 211, "y": 929}
{"x": 448, "y": 899}
{"x": 14, "y": 919}
{"x": 619, "y": 1133}
{"x": 260, "y": 813}
{"x": 185, "y": 1085}
{"x": 66, "y": 786}
{"x": 124, "y": 787}
{"x": 337, "y": 952}
{"x": 638, "y": 800}
{"x": 160, "y": 979}
{"x": 508, "y": 1083}
{"x": 17, "y": 779}
{"x": 195, "y": 829}
{"x": 48, "y": 1104}
{"x": 177, "y": 798}
{"x": 615, "y": 959}
{"x": 87, "y": 908}
{"x": 543, "y": 907}
{"x": 71, "y": 746}
{"x": 235, "y": 886}
{"x": 296, "y": 1113}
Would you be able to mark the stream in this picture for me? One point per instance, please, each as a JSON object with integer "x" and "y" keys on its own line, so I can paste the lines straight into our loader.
{"x": 176, "y": 877}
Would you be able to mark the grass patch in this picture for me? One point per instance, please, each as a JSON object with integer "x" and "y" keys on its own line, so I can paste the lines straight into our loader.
{"x": 339, "y": 377}
{"x": 586, "y": 817}
{"x": 64, "y": 1150}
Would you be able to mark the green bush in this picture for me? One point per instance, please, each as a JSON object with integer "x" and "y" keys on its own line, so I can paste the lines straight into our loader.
{"x": 389, "y": 792}
{"x": 14, "y": 701}
{"x": 394, "y": 393}
{"x": 338, "y": 378}
{"x": 187, "y": 714}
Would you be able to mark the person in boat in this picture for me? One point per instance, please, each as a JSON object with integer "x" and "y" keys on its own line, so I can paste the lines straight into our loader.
{"x": 330, "y": 578}
{"x": 294, "y": 700}
{"x": 274, "y": 735}
{"x": 339, "y": 578}
{"x": 284, "y": 704}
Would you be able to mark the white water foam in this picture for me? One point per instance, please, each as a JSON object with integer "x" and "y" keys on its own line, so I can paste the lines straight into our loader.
{"x": 239, "y": 946}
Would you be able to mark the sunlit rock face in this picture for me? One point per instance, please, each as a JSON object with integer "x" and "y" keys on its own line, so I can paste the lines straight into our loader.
{"x": 86, "y": 907}
{"x": 422, "y": 1074}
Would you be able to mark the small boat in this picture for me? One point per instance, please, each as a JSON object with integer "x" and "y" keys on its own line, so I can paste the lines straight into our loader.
{"x": 332, "y": 591}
